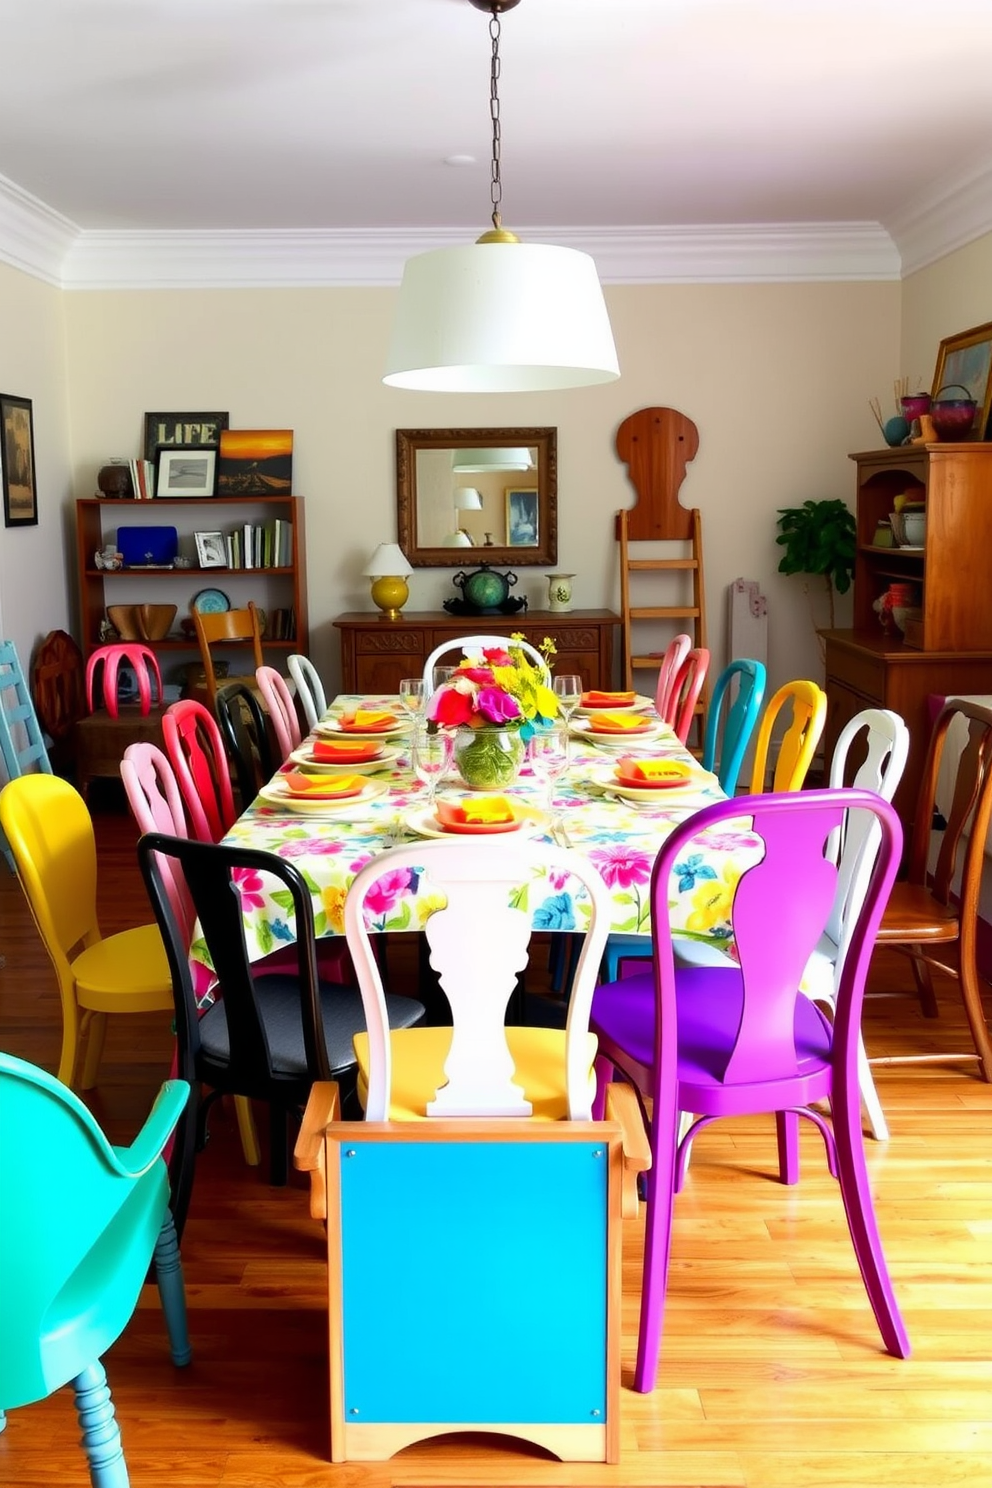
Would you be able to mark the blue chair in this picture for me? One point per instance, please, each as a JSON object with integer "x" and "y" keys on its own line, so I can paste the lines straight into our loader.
{"x": 723, "y": 751}
{"x": 22, "y": 744}
{"x": 81, "y": 1222}
{"x": 730, "y": 745}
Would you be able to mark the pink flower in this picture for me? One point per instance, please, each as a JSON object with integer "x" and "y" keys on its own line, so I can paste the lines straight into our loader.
{"x": 495, "y": 657}
{"x": 450, "y": 708}
{"x": 383, "y": 895}
{"x": 249, "y": 887}
{"x": 482, "y": 675}
{"x": 620, "y": 866}
{"x": 307, "y": 846}
{"x": 498, "y": 706}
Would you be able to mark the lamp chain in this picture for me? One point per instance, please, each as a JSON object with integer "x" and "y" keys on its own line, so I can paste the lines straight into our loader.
{"x": 496, "y": 184}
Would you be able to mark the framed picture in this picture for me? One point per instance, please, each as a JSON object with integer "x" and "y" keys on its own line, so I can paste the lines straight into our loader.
{"x": 255, "y": 462}
{"x": 965, "y": 361}
{"x": 522, "y": 517}
{"x": 20, "y": 493}
{"x": 211, "y": 549}
{"x": 185, "y": 472}
{"x": 187, "y": 430}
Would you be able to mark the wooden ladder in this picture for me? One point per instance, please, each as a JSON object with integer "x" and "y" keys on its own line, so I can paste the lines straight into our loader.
{"x": 656, "y": 444}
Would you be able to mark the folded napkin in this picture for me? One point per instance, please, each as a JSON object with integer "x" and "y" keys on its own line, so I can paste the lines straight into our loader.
{"x": 326, "y": 752}
{"x": 369, "y": 718}
{"x": 653, "y": 771}
{"x": 486, "y": 811}
{"x": 617, "y": 723}
{"x": 319, "y": 787}
{"x": 608, "y": 699}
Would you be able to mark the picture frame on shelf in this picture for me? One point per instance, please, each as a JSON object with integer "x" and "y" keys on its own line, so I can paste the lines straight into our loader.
{"x": 523, "y": 517}
{"x": 255, "y": 462}
{"x": 20, "y": 490}
{"x": 965, "y": 361}
{"x": 183, "y": 430}
{"x": 211, "y": 549}
{"x": 186, "y": 471}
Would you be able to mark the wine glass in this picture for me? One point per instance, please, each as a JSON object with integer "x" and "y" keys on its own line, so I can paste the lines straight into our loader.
{"x": 431, "y": 752}
{"x": 548, "y": 752}
{"x": 568, "y": 691}
{"x": 412, "y": 695}
{"x": 440, "y": 675}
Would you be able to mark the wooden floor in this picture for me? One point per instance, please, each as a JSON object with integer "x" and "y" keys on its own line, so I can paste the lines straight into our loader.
{"x": 772, "y": 1372}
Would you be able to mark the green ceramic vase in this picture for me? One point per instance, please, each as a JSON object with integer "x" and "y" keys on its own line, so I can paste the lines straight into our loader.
{"x": 489, "y": 758}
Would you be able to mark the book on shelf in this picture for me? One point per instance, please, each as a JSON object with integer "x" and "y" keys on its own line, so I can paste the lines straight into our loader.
{"x": 142, "y": 479}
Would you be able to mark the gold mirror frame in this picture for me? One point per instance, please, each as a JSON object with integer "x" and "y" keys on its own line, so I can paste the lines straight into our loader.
{"x": 409, "y": 442}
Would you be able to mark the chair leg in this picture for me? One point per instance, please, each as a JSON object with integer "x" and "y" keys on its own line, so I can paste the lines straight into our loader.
{"x": 869, "y": 1096}
{"x": 787, "y": 1130}
{"x": 169, "y": 1277}
{"x": 69, "y": 1056}
{"x": 657, "y": 1247}
{"x": 924, "y": 984}
{"x": 246, "y": 1126}
{"x": 101, "y": 1433}
{"x": 94, "y": 1050}
{"x": 971, "y": 993}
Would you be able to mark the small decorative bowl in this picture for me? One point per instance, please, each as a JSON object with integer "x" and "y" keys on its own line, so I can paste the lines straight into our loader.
{"x": 154, "y": 620}
{"x": 124, "y": 619}
{"x": 953, "y": 417}
{"x": 915, "y": 404}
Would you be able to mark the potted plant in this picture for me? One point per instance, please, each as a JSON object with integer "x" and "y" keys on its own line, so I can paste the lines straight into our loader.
{"x": 819, "y": 537}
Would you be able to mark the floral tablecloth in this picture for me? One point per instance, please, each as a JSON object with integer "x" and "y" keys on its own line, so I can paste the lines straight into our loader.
{"x": 620, "y": 838}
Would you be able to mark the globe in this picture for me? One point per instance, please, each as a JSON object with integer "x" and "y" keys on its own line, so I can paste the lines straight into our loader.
{"x": 485, "y": 589}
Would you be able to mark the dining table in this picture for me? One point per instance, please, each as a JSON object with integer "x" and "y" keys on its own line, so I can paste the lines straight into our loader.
{"x": 620, "y": 835}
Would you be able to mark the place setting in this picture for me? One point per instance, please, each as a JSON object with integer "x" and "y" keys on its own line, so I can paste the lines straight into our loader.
{"x": 654, "y": 781}
{"x": 343, "y": 756}
{"x": 616, "y": 727}
{"x": 365, "y": 723}
{"x": 476, "y": 815}
{"x": 322, "y": 795}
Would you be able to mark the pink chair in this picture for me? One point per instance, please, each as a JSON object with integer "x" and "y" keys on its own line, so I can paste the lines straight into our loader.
{"x": 742, "y": 1039}
{"x": 195, "y": 747}
{"x": 146, "y": 669}
{"x": 282, "y": 709}
{"x": 671, "y": 665}
{"x": 685, "y": 691}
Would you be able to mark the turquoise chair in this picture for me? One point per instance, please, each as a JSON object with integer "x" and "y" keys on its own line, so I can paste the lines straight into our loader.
{"x": 22, "y": 744}
{"x": 80, "y": 1223}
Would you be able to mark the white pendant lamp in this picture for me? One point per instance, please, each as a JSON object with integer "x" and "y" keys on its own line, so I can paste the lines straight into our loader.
{"x": 478, "y": 461}
{"x": 498, "y": 315}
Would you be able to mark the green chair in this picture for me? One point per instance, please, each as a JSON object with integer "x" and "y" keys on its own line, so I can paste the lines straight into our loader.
{"x": 81, "y": 1220}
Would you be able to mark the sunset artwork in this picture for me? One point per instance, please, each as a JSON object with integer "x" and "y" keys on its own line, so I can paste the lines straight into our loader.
{"x": 255, "y": 462}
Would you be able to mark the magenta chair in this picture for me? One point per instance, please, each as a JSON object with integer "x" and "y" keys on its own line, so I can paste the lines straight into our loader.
{"x": 195, "y": 746}
{"x": 146, "y": 669}
{"x": 741, "y": 1039}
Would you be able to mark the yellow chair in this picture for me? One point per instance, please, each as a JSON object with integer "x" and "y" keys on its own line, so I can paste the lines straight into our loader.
{"x": 50, "y": 832}
{"x": 809, "y": 714}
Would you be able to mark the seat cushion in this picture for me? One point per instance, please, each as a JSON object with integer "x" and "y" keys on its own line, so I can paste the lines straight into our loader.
{"x": 418, "y": 1056}
{"x": 278, "y": 998}
{"x": 125, "y": 973}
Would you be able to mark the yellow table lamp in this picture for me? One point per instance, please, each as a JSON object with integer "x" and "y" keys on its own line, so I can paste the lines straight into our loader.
{"x": 388, "y": 569}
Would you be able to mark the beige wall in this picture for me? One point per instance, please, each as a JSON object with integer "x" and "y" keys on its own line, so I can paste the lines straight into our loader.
{"x": 950, "y": 296}
{"x": 34, "y": 569}
{"x": 777, "y": 378}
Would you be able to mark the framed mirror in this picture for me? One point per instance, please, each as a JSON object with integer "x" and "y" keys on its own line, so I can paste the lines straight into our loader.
{"x": 469, "y": 496}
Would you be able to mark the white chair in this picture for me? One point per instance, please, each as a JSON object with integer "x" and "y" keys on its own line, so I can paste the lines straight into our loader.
{"x": 309, "y": 688}
{"x": 471, "y": 646}
{"x": 479, "y": 942}
{"x": 282, "y": 710}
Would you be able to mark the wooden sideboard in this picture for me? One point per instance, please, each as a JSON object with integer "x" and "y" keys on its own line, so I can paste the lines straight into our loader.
{"x": 376, "y": 654}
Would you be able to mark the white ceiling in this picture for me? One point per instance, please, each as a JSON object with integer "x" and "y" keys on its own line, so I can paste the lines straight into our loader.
{"x": 619, "y": 116}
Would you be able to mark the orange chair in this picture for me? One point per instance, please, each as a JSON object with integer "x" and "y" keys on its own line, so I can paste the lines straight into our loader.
{"x": 227, "y": 628}
{"x": 686, "y": 689}
{"x": 809, "y": 714}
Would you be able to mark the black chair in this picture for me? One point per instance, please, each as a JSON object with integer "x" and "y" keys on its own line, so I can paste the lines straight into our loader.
{"x": 242, "y": 722}
{"x": 268, "y": 1035}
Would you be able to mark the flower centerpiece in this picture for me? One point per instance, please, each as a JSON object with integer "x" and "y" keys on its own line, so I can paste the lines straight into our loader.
{"x": 495, "y": 702}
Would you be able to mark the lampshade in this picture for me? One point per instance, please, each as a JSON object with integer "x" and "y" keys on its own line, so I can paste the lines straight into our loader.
{"x": 388, "y": 559}
{"x": 457, "y": 539}
{"x": 503, "y": 317}
{"x": 477, "y": 461}
{"x": 467, "y": 498}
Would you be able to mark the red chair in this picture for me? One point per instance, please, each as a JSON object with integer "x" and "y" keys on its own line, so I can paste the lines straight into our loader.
{"x": 671, "y": 665}
{"x": 146, "y": 669}
{"x": 282, "y": 710}
{"x": 685, "y": 691}
{"x": 195, "y": 746}
{"x": 742, "y": 1038}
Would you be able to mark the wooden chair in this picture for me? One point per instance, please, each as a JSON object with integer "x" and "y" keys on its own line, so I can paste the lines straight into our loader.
{"x": 309, "y": 688}
{"x": 742, "y": 1039}
{"x": 50, "y": 832}
{"x": 282, "y": 710}
{"x": 731, "y": 720}
{"x": 227, "y": 628}
{"x": 932, "y": 916}
{"x": 809, "y": 714}
{"x": 82, "y": 1221}
{"x": 22, "y": 745}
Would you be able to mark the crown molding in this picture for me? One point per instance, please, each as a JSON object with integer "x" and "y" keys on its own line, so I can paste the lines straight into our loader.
{"x": 33, "y": 237}
{"x": 938, "y": 222}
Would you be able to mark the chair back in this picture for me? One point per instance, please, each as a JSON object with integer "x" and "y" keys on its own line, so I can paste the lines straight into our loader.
{"x": 157, "y": 806}
{"x": 282, "y": 710}
{"x": 472, "y": 645}
{"x": 80, "y": 1222}
{"x": 809, "y": 714}
{"x": 140, "y": 658}
{"x": 242, "y": 724}
{"x": 309, "y": 688}
{"x": 732, "y": 718}
{"x": 957, "y": 870}
{"x": 671, "y": 664}
{"x": 22, "y": 745}
{"x": 195, "y": 747}
{"x": 686, "y": 689}
{"x": 57, "y": 686}
{"x": 479, "y": 945}
{"x": 226, "y": 628}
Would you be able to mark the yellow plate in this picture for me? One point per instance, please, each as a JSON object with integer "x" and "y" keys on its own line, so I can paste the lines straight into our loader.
{"x": 696, "y": 785}
{"x": 331, "y": 728}
{"x": 276, "y": 794}
{"x": 656, "y": 730}
{"x": 640, "y": 704}
{"x": 310, "y": 766}
{"x": 424, "y": 823}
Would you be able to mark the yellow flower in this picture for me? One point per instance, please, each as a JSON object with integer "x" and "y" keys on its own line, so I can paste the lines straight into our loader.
{"x": 430, "y": 905}
{"x": 712, "y": 900}
{"x": 333, "y": 901}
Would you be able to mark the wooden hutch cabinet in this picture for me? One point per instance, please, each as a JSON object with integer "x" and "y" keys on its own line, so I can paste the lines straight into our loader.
{"x": 376, "y": 654}
{"x": 949, "y": 649}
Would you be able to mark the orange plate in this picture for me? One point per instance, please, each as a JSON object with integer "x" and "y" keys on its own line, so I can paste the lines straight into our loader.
{"x": 681, "y": 776}
{"x": 477, "y": 829}
{"x": 383, "y": 726}
{"x": 323, "y": 752}
{"x": 608, "y": 728}
{"x": 311, "y": 792}
{"x": 607, "y": 701}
